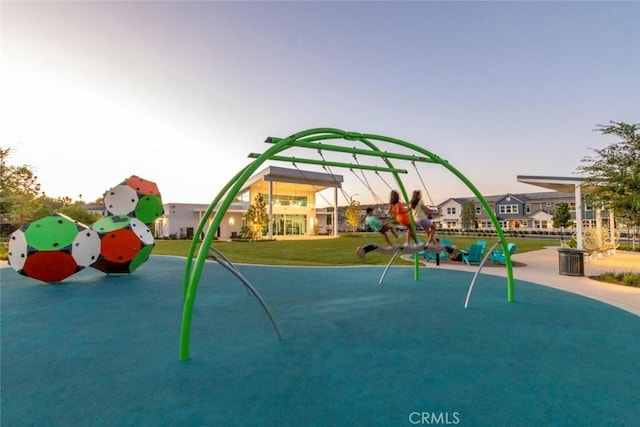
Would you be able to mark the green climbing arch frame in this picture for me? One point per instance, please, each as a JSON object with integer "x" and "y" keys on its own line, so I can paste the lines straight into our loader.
{"x": 311, "y": 139}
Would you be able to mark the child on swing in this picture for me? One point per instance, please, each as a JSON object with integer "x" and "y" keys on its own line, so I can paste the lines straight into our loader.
{"x": 422, "y": 216}
{"x": 402, "y": 216}
{"x": 372, "y": 221}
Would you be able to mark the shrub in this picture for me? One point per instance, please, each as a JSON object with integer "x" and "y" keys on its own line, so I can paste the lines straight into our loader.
{"x": 631, "y": 279}
{"x": 608, "y": 277}
{"x": 625, "y": 278}
{"x": 4, "y": 251}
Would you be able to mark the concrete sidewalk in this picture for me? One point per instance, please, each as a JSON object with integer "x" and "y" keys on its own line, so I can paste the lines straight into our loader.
{"x": 542, "y": 267}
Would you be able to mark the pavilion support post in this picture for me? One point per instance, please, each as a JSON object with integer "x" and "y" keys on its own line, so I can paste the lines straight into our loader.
{"x": 612, "y": 231}
{"x": 599, "y": 228}
{"x": 335, "y": 212}
{"x": 578, "y": 194}
{"x": 270, "y": 210}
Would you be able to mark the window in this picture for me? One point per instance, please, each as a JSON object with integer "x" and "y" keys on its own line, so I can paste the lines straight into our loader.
{"x": 527, "y": 208}
{"x": 478, "y": 210}
{"x": 286, "y": 200}
{"x": 451, "y": 211}
{"x": 244, "y": 197}
{"x": 508, "y": 209}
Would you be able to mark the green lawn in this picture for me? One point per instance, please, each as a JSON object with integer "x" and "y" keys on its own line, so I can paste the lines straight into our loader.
{"x": 339, "y": 251}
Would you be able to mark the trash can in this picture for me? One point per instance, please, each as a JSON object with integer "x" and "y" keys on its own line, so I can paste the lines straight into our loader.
{"x": 571, "y": 262}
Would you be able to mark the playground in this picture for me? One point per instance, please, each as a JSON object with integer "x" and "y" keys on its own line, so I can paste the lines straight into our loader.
{"x": 267, "y": 345}
{"x": 102, "y": 349}
{"x": 376, "y": 148}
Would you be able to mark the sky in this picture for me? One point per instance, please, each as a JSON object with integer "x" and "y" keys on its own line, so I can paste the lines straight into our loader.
{"x": 180, "y": 93}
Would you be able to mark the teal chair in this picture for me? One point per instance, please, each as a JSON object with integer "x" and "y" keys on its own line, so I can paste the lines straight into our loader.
{"x": 428, "y": 256}
{"x": 482, "y": 244}
{"x": 443, "y": 255}
{"x": 473, "y": 254}
{"x": 498, "y": 254}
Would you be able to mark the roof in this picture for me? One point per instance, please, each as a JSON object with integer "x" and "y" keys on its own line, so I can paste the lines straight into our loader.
{"x": 557, "y": 183}
{"x": 540, "y": 196}
{"x": 318, "y": 180}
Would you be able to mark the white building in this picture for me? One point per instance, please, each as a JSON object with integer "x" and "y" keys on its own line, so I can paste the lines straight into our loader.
{"x": 291, "y": 196}
{"x": 180, "y": 220}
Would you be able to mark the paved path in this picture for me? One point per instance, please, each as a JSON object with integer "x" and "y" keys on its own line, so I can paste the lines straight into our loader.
{"x": 542, "y": 267}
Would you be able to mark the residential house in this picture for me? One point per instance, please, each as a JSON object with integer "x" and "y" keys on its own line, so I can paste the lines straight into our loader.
{"x": 527, "y": 211}
{"x": 450, "y": 213}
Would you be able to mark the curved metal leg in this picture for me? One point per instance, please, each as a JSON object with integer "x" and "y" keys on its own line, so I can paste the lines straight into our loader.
{"x": 224, "y": 261}
{"x": 224, "y": 258}
{"x": 384, "y": 273}
{"x": 475, "y": 276}
{"x": 255, "y": 293}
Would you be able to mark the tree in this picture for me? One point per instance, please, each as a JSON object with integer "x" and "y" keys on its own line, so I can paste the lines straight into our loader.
{"x": 469, "y": 217}
{"x": 65, "y": 201}
{"x": 353, "y": 214}
{"x": 561, "y": 217}
{"x": 615, "y": 172}
{"x": 80, "y": 214}
{"x": 256, "y": 219}
{"x": 19, "y": 192}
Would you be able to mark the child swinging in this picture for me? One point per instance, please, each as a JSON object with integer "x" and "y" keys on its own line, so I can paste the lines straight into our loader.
{"x": 374, "y": 223}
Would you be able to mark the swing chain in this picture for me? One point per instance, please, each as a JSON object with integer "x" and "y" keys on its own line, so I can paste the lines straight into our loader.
{"x": 422, "y": 181}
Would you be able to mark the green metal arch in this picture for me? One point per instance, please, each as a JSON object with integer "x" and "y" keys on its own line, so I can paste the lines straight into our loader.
{"x": 193, "y": 270}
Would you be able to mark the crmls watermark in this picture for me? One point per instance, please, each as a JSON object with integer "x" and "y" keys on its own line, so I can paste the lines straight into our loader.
{"x": 435, "y": 418}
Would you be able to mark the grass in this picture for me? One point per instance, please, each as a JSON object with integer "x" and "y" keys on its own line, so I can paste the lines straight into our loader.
{"x": 338, "y": 251}
{"x": 316, "y": 252}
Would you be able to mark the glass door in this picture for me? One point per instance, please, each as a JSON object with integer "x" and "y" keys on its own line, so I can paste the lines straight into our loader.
{"x": 289, "y": 225}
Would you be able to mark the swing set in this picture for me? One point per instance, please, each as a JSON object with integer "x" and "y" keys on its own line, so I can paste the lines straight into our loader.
{"x": 314, "y": 139}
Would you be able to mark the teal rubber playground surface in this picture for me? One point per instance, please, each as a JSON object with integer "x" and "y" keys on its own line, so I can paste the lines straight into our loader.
{"x": 103, "y": 351}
